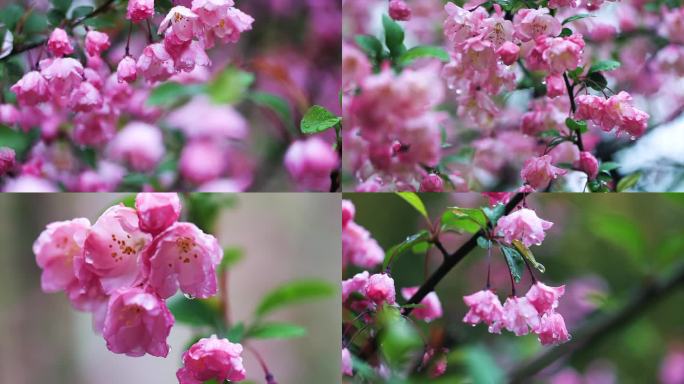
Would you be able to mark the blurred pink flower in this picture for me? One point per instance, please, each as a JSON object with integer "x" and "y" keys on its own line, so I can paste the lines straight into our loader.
{"x": 212, "y": 358}
{"x": 157, "y": 211}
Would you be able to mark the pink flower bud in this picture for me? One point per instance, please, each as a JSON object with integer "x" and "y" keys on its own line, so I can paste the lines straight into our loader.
{"x": 399, "y": 10}
{"x": 55, "y": 249}
{"x": 430, "y": 307}
{"x": 380, "y": 289}
{"x": 523, "y": 225}
{"x": 359, "y": 248}
{"x": 138, "y": 144}
{"x": 212, "y": 358}
{"x": 555, "y": 86}
{"x": 137, "y": 322}
{"x": 508, "y": 51}
{"x": 96, "y": 43}
{"x": 59, "y": 44}
{"x": 588, "y": 164}
{"x": 157, "y": 211}
{"x": 113, "y": 249}
{"x": 484, "y": 307}
{"x": 139, "y": 10}
{"x": 347, "y": 366}
{"x": 543, "y": 297}
{"x": 31, "y": 89}
{"x": 184, "y": 256}
{"x": 551, "y": 329}
{"x": 672, "y": 368}
{"x": 9, "y": 114}
{"x": 62, "y": 75}
{"x": 538, "y": 172}
{"x": 7, "y": 159}
{"x": 310, "y": 163}
{"x": 126, "y": 70}
{"x": 85, "y": 98}
{"x": 348, "y": 212}
{"x": 519, "y": 315}
{"x": 432, "y": 183}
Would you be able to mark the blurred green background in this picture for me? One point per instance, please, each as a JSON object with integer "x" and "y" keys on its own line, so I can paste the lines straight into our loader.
{"x": 603, "y": 247}
{"x": 44, "y": 340}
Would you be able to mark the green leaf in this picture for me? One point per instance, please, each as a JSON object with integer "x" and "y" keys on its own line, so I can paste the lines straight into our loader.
{"x": 494, "y": 213}
{"x": 16, "y": 140}
{"x": 527, "y": 254}
{"x": 81, "y": 11}
{"x": 35, "y": 23}
{"x": 236, "y": 333}
{"x": 481, "y": 366}
{"x": 195, "y": 312}
{"x": 101, "y": 21}
{"x": 170, "y": 93}
{"x": 452, "y": 222}
{"x": 484, "y": 243}
{"x": 10, "y": 15}
{"x": 399, "y": 340}
{"x": 476, "y": 215}
{"x": 576, "y": 125}
{"x": 596, "y": 81}
{"x": 55, "y": 17}
{"x": 604, "y": 65}
{"x": 415, "y": 201}
{"x": 515, "y": 262}
{"x": 421, "y": 247}
{"x": 275, "y": 103}
{"x": 230, "y": 86}
{"x": 135, "y": 179}
{"x": 394, "y": 36}
{"x": 317, "y": 119}
{"x": 370, "y": 45}
{"x": 231, "y": 256}
{"x": 422, "y": 51}
{"x": 608, "y": 166}
{"x": 565, "y": 32}
{"x": 576, "y": 17}
{"x": 408, "y": 243}
{"x": 294, "y": 292}
{"x": 620, "y": 231}
{"x": 628, "y": 182}
{"x": 62, "y": 5}
{"x": 275, "y": 331}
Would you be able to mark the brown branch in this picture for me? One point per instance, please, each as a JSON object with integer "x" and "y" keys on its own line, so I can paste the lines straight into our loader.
{"x": 595, "y": 331}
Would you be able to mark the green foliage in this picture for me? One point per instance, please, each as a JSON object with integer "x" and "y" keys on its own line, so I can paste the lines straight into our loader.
{"x": 494, "y": 213}
{"x": 371, "y": 46}
{"x": 576, "y": 125}
{"x": 231, "y": 256}
{"x": 171, "y": 93}
{"x": 294, "y": 292}
{"x": 81, "y": 11}
{"x": 10, "y": 15}
{"x": 399, "y": 340}
{"x": 481, "y": 366}
{"x": 515, "y": 262}
{"x": 476, "y": 215}
{"x": 18, "y": 141}
{"x": 414, "y": 200}
{"x": 619, "y": 231}
{"x": 628, "y": 182}
{"x": 608, "y": 166}
{"x": 276, "y": 104}
{"x": 484, "y": 243}
{"x": 204, "y": 208}
{"x": 453, "y": 222}
{"x": 604, "y": 65}
{"x": 423, "y": 51}
{"x": 411, "y": 241}
{"x": 528, "y": 255}
{"x": 62, "y": 5}
{"x": 578, "y": 16}
{"x": 275, "y": 331}
{"x": 230, "y": 86}
{"x": 565, "y": 32}
{"x": 318, "y": 119}
{"x": 236, "y": 333}
{"x": 394, "y": 37}
{"x": 196, "y": 312}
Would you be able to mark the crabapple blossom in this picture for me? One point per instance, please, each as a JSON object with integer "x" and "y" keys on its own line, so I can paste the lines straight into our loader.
{"x": 430, "y": 307}
{"x": 359, "y": 248}
{"x": 9, "y": 114}
{"x": 399, "y": 10}
{"x": 179, "y": 24}
{"x": 357, "y": 283}
{"x": 7, "y": 160}
{"x": 348, "y": 211}
{"x": 551, "y": 329}
{"x": 139, "y": 145}
{"x": 139, "y": 10}
{"x": 484, "y": 307}
{"x": 202, "y": 161}
{"x": 157, "y": 211}
{"x": 62, "y": 74}
{"x": 538, "y": 172}
{"x": 533, "y": 23}
{"x": 58, "y": 44}
{"x": 432, "y": 183}
{"x": 619, "y": 113}
{"x": 31, "y": 89}
{"x": 55, "y": 249}
{"x": 519, "y": 316}
{"x": 310, "y": 163}
{"x": 347, "y": 367}
{"x": 229, "y": 28}
{"x": 588, "y": 164}
{"x": 126, "y": 70}
{"x": 96, "y": 42}
{"x": 184, "y": 257}
{"x": 212, "y": 358}
{"x": 544, "y": 298}
{"x": 509, "y": 52}
{"x": 85, "y": 98}
{"x": 155, "y": 64}
{"x": 672, "y": 368}
{"x": 523, "y": 225}
{"x": 137, "y": 322}
{"x": 380, "y": 289}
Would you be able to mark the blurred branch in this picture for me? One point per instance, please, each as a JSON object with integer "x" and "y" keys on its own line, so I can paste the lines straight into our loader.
{"x": 452, "y": 260}
{"x": 595, "y": 331}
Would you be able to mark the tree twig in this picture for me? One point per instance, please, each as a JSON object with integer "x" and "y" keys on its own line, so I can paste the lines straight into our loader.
{"x": 596, "y": 330}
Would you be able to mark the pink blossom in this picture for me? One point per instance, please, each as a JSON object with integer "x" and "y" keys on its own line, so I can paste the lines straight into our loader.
{"x": 544, "y": 298}
{"x": 532, "y": 23}
{"x": 184, "y": 256}
{"x": 139, "y": 10}
{"x": 523, "y": 225}
{"x": 673, "y": 25}
{"x": 113, "y": 248}
{"x": 211, "y": 12}
{"x": 62, "y": 75}
{"x": 30, "y": 183}
{"x": 202, "y": 161}
{"x": 355, "y": 66}
{"x": 193, "y": 55}
{"x": 432, "y": 183}
{"x": 561, "y": 53}
{"x": 155, "y": 64}
{"x": 672, "y": 367}
{"x": 347, "y": 366}
{"x": 212, "y": 358}
{"x": 157, "y": 211}
{"x": 180, "y": 23}
{"x": 538, "y": 172}
{"x": 93, "y": 128}
{"x": 399, "y": 10}
{"x": 519, "y": 315}
{"x": 9, "y": 114}
{"x": 588, "y": 164}
{"x": 229, "y": 28}
{"x": 55, "y": 249}
{"x": 380, "y": 289}
{"x": 496, "y": 198}
{"x": 137, "y": 322}
{"x": 439, "y": 365}
{"x": 484, "y": 306}
{"x": 552, "y": 329}
{"x": 555, "y": 86}
{"x": 619, "y": 112}
{"x": 508, "y": 51}
{"x": 59, "y": 44}
{"x": 31, "y": 89}
{"x": 126, "y": 70}
{"x": 96, "y": 43}
{"x": 85, "y": 98}
{"x": 348, "y": 212}
{"x": 357, "y": 283}
{"x": 429, "y": 309}
{"x": 140, "y": 145}
{"x": 7, "y": 160}
{"x": 589, "y": 107}
{"x": 310, "y": 163}
{"x": 359, "y": 248}
{"x": 553, "y": 4}
{"x": 217, "y": 122}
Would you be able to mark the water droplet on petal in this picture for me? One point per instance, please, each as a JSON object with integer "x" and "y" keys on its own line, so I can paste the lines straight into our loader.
{"x": 188, "y": 296}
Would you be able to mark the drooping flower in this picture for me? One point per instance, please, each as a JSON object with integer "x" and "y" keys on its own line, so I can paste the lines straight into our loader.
{"x": 484, "y": 307}
{"x": 58, "y": 44}
{"x": 538, "y": 172}
{"x": 62, "y": 74}
{"x": 31, "y": 89}
{"x": 509, "y": 52}
{"x": 7, "y": 160}
{"x": 544, "y": 298}
{"x": 429, "y": 309}
{"x": 519, "y": 316}
{"x": 523, "y": 225}
{"x": 157, "y": 211}
{"x": 184, "y": 257}
{"x": 126, "y": 70}
{"x": 96, "y": 43}
{"x": 380, "y": 289}
{"x": 230, "y": 26}
{"x": 532, "y": 23}
{"x": 359, "y": 248}
{"x": 155, "y": 64}
{"x": 212, "y": 359}
{"x": 588, "y": 164}
{"x": 552, "y": 329}
{"x": 137, "y": 322}
{"x": 399, "y": 10}
{"x": 139, "y": 10}
{"x": 180, "y": 23}
{"x": 357, "y": 283}
{"x": 85, "y": 98}
{"x": 348, "y": 212}
{"x": 202, "y": 161}
{"x": 310, "y": 163}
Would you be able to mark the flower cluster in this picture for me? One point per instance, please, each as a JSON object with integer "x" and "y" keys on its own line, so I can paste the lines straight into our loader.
{"x": 123, "y": 267}
{"x": 358, "y": 247}
{"x": 615, "y": 112}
